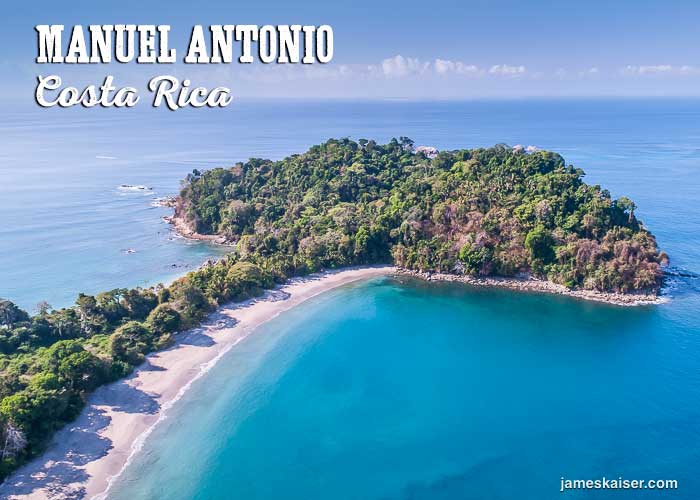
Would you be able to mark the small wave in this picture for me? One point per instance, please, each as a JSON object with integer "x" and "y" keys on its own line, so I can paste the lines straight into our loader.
{"x": 679, "y": 282}
{"x": 103, "y": 157}
{"x": 679, "y": 272}
{"x": 131, "y": 187}
{"x": 164, "y": 201}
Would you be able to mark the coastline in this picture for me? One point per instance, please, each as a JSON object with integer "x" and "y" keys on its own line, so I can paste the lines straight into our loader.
{"x": 86, "y": 456}
{"x": 530, "y": 284}
{"x": 183, "y": 229}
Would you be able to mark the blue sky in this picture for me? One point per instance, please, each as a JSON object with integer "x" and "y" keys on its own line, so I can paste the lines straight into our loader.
{"x": 438, "y": 49}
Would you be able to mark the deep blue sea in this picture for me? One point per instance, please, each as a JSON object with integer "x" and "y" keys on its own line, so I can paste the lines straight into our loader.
{"x": 387, "y": 389}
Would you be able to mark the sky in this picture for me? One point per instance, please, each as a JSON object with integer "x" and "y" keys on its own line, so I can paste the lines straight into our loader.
{"x": 399, "y": 49}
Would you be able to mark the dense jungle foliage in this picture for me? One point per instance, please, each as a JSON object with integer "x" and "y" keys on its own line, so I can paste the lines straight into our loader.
{"x": 496, "y": 211}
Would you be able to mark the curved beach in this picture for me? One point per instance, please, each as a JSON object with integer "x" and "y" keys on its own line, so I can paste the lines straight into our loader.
{"x": 84, "y": 457}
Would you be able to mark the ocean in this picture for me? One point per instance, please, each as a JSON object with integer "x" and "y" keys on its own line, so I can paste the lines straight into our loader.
{"x": 391, "y": 389}
{"x": 397, "y": 389}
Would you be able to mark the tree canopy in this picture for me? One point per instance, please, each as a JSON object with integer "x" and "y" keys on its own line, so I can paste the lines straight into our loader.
{"x": 496, "y": 211}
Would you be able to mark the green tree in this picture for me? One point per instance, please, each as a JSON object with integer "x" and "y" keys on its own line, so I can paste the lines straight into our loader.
{"x": 11, "y": 314}
{"x": 540, "y": 243}
{"x": 130, "y": 342}
{"x": 164, "y": 319}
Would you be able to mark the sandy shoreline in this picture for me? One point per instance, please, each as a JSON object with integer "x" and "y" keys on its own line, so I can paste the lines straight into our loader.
{"x": 84, "y": 456}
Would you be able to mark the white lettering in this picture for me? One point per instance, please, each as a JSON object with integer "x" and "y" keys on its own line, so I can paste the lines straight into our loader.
{"x": 197, "y": 51}
{"x": 168, "y": 89}
{"x": 89, "y": 97}
{"x": 49, "y": 43}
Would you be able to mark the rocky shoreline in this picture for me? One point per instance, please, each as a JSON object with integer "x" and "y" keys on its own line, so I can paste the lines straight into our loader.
{"x": 182, "y": 228}
{"x": 529, "y": 284}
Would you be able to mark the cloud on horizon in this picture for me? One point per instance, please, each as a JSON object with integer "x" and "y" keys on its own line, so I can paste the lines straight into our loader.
{"x": 397, "y": 76}
{"x": 406, "y": 67}
{"x": 400, "y": 66}
{"x": 396, "y": 67}
{"x": 660, "y": 69}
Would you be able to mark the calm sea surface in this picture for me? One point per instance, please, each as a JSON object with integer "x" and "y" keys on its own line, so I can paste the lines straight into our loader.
{"x": 388, "y": 389}
{"x": 405, "y": 390}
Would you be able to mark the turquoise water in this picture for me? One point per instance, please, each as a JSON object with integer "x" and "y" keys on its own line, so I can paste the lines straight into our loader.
{"x": 385, "y": 390}
{"x": 404, "y": 390}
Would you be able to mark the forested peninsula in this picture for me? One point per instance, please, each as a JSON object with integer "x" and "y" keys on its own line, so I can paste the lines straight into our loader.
{"x": 499, "y": 211}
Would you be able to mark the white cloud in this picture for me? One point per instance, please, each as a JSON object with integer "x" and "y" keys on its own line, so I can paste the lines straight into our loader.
{"x": 659, "y": 69}
{"x": 572, "y": 74}
{"x": 651, "y": 70}
{"x": 505, "y": 70}
{"x": 444, "y": 67}
{"x": 399, "y": 66}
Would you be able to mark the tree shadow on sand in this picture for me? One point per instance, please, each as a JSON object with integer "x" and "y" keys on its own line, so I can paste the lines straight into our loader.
{"x": 127, "y": 399}
{"x": 147, "y": 366}
{"x": 275, "y": 295}
{"x": 199, "y": 337}
{"x": 196, "y": 338}
{"x": 58, "y": 472}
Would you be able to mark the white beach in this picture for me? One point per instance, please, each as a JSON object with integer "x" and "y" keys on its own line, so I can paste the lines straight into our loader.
{"x": 85, "y": 456}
